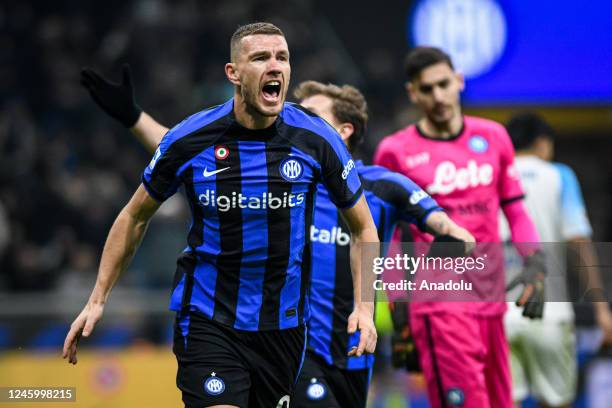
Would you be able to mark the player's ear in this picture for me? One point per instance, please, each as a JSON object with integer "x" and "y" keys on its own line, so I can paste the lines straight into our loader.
{"x": 460, "y": 80}
{"x": 231, "y": 73}
{"x": 410, "y": 91}
{"x": 346, "y": 130}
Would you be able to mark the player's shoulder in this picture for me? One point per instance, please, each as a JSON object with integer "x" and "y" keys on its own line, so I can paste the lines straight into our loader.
{"x": 199, "y": 121}
{"x": 566, "y": 173}
{"x": 381, "y": 180}
{"x": 379, "y": 173}
{"x": 478, "y": 124}
{"x": 398, "y": 137}
{"x": 302, "y": 120}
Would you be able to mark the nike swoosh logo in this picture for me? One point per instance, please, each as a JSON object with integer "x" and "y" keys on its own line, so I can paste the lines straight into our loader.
{"x": 207, "y": 173}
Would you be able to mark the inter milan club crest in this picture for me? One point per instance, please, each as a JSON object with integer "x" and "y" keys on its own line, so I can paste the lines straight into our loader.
{"x": 291, "y": 169}
{"x": 214, "y": 385}
{"x": 221, "y": 152}
{"x": 316, "y": 390}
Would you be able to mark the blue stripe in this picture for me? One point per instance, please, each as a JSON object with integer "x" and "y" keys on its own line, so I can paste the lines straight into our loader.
{"x": 205, "y": 273}
{"x": 254, "y": 246}
{"x": 183, "y": 321}
{"x": 290, "y": 293}
{"x": 323, "y": 278}
{"x": 177, "y": 295}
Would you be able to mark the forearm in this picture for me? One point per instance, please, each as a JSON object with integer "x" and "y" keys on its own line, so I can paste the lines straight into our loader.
{"x": 522, "y": 228}
{"x": 585, "y": 265}
{"x": 121, "y": 245}
{"x": 364, "y": 248}
{"x": 148, "y": 131}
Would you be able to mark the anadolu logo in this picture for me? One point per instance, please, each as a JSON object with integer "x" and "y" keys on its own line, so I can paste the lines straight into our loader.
{"x": 478, "y": 144}
{"x": 291, "y": 169}
{"x": 316, "y": 390}
{"x": 221, "y": 152}
{"x": 214, "y": 385}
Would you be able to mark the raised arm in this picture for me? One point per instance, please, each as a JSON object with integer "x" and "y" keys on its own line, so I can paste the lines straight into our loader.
{"x": 122, "y": 242}
{"x": 118, "y": 101}
{"x": 364, "y": 248}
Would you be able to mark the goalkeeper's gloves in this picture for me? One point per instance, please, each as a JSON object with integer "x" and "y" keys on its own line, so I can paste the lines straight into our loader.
{"x": 116, "y": 99}
{"x": 403, "y": 350}
{"x": 532, "y": 276}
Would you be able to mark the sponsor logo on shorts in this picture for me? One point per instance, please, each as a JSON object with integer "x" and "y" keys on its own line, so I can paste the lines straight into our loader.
{"x": 214, "y": 385}
{"x": 316, "y": 390}
{"x": 291, "y": 169}
{"x": 455, "y": 397}
{"x": 478, "y": 144}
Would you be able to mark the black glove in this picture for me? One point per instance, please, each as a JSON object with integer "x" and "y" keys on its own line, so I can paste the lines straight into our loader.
{"x": 532, "y": 276}
{"x": 116, "y": 99}
{"x": 403, "y": 350}
{"x": 444, "y": 246}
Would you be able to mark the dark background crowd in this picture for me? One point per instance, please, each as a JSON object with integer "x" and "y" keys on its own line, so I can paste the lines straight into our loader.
{"x": 67, "y": 169}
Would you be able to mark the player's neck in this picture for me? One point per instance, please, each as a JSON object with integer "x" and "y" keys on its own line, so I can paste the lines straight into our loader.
{"x": 248, "y": 117}
{"x": 445, "y": 130}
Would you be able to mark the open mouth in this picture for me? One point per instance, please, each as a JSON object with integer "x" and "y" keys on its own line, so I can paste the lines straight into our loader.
{"x": 271, "y": 90}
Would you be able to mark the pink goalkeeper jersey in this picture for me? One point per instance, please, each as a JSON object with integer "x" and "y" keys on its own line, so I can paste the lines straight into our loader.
{"x": 470, "y": 176}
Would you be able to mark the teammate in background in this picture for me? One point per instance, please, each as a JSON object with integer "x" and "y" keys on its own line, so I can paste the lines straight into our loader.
{"x": 250, "y": 168}
{"x": 466, "y": 164}
{"x": 543, "y": 355}
{"x": 329, "y": 377}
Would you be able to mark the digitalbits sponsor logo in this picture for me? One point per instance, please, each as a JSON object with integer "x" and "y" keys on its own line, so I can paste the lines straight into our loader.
{"x": 448, "y": 178}
{"x": 214, "y": 385}
{"x": 417, "y": 196}
{"x": 265, "y": 201}
{"x": 291, "y": 169}
{"x": 155, "y": 158}
{"x": 350, "y": 165}
{"x": 316, "y": 390}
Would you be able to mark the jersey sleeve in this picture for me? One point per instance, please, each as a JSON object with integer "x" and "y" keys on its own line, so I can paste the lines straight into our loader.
{"x": 509, "y": 185}
{"x": 385, "y": 155}
{"x": 161, "y": 178}
{"x": 339, "y": 174}
{"x": 574, "y": 219}
{"x": 411, "y": 202}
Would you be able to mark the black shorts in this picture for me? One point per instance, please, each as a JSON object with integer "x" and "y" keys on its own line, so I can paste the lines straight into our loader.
{"x": 219, "y": 365}
{"x": 323, "y": 386}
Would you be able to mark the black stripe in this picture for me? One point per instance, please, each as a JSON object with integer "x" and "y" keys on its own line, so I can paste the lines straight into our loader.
{"x": 279, "y": 237}
{"x": 195, "y": 238}
{"x": 185, "y": 266}
{"x": 307, "y": 254}
{"x": 230, "y": 235}
{"x": 511, "y": 200}
{"x": 382, "y": 224}
{"x": 342, "y": 301}
{"x": 434, "y": 362}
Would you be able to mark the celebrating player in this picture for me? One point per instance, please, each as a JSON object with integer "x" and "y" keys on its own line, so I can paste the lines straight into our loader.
{"x": 329, "y": 378}
{"x": 250, "y": 168}
{"x": 466, "y": 164}
{"x": 543, "y": 355}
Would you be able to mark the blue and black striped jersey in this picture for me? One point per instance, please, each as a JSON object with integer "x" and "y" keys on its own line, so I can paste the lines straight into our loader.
{"x": 392, "y": 198}
{"x": 251, "y": 194}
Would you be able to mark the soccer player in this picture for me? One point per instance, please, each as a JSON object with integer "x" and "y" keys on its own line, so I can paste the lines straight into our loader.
{"x": 466, "y": 164}
{"x": 543, "y": 355}
{"x": 250, "y": 168}
{"x": 329, "y": 377}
